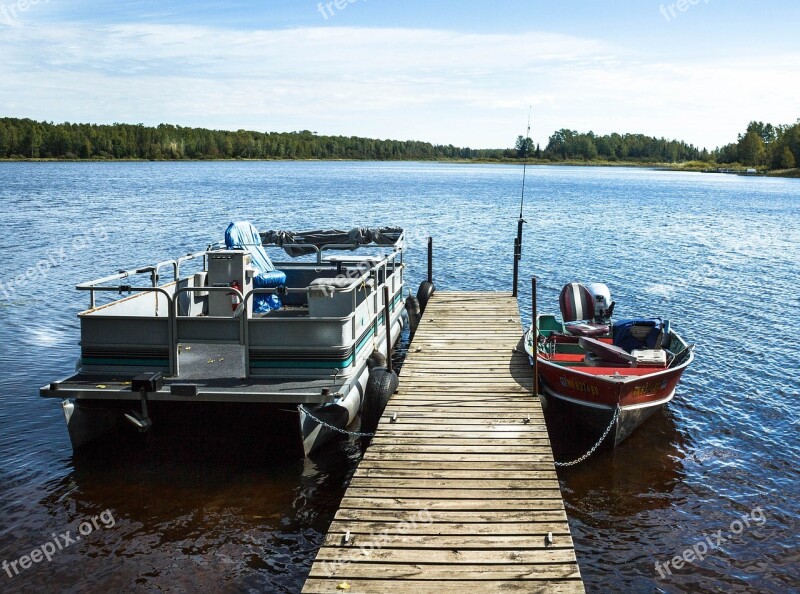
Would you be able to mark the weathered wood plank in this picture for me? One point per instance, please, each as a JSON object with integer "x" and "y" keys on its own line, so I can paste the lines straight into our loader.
{"x": 532, "y": 457}
{"x": 450, "y": 483}
{"x": 484, "y": 466}
{"x": 449, "y": 516}
{"x": 458, "y": 494}
{"x": 511, "y": 571}
{"x": 458, "y": 542}
{"x": 542, "y": 448}
{"x": 397, "y": 473}
{"x": 369, "y": 586}
{"x": 532, "y": 504}
{"x": 421, "y": 556}
{"x": 423, "y": 419}
{"x": 419, "y": 527}
{"x": 439, "y": 435}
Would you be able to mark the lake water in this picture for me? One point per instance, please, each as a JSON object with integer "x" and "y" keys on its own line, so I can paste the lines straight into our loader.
{"x": 718, "y": 255}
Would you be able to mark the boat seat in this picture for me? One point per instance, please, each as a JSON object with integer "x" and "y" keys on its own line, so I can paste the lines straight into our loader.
{"x": 586, "y": 329}
{"x": 607, "y": 352}
{"x": 243, "y": 235}
{"x": 619, "y": 371}
{"x": 577, "y": 311}
{"x": 592, "y": 360}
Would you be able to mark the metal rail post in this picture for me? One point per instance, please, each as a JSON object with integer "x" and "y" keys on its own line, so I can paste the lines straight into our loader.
{"x": 535, "y": 337}
{"x": 388, "y": 327}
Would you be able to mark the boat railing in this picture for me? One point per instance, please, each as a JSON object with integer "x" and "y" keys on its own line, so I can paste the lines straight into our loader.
{"x": 235, "y": 329}
{"x": 154, "y": 272}
{"x": 242, "y": 322}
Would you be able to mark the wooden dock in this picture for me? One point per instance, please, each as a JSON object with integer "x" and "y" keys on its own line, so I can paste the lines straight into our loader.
{"x": 458, "y": 491}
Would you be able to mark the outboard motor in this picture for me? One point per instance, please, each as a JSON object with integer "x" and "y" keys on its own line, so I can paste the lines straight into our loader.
{"x": 603, "y": 306}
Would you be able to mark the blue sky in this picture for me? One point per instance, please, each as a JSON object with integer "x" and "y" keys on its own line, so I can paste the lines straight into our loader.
{"x": 442, "y": 71}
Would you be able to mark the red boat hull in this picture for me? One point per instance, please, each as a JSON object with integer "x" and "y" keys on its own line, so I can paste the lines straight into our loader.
{"x": 592, "y": 399}
{"x": 609, "y": 386}
{"x": 592, "y": 393}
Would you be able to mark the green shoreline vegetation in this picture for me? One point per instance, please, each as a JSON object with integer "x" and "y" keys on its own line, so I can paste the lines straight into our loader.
{"x": 762, "y": 148}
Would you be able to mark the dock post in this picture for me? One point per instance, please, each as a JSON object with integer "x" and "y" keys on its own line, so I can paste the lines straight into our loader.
{"x": 517, "y": 255}
{"x": 430, "y": 259}
{"x": 535, "y": 337}
{"x": 388, "y": 328}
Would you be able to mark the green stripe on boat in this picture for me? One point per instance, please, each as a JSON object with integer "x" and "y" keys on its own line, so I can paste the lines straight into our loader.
{"x": 314, "y": 363}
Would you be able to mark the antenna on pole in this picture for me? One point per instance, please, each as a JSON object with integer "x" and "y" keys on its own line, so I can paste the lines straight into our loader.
{"x": 525, "y": 159}
{"x": 521, "y": 221}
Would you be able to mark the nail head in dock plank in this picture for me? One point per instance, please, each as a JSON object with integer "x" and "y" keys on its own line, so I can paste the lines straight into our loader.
{"x": 458, "y": 489}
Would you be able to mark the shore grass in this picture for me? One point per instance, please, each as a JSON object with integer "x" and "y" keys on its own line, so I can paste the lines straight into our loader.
{"x": 785, "y": 173}
{"x": 689, "y": 166}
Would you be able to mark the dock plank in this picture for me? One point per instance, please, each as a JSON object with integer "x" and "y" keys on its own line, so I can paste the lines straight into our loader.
{"x": 458, "y": 489}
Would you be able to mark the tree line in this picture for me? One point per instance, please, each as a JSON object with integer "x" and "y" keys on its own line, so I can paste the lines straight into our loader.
{"x": 761, "y": 145}
{"x": 570, "y": 145}
{"x": 24, "y": 138}
{"x": 764, "y": 146}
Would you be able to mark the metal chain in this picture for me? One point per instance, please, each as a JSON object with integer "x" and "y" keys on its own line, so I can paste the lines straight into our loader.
{"x": 595, "y": 446}
{"x": 331, "y": 427}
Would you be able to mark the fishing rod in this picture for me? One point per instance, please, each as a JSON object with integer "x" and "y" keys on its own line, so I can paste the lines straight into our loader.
{"x": 525, "y": 160}
{"x": 521, "y": 221}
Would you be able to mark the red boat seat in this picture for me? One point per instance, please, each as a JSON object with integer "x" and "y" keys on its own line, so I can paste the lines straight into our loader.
{"x": 637, "y": 371}
{"x": 584, "y": 329}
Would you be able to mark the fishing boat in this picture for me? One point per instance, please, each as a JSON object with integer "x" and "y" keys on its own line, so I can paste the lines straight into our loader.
{"x": 606, "y": 373}
{"x": 301, "y": 344}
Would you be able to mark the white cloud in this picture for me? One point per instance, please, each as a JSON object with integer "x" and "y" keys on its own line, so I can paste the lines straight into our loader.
{"x": 442, "y": 86}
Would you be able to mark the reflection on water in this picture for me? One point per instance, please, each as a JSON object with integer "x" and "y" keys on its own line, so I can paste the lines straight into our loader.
{"x": 183, "y": 518}
{"x": 654, "y": 451}
{"x": 717, "y": 255}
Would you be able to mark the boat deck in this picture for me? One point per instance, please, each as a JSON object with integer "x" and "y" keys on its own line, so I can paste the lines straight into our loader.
{"x": 217, "y": 370}
{"x": 458, "y": 489}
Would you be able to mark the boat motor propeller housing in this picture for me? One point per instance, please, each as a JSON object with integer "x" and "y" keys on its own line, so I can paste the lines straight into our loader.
{"x": 144, "y": 383}
{"x": 603, "y": 306}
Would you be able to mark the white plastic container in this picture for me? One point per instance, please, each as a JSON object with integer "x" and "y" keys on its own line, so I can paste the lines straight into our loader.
{"x": 650, "y": 357}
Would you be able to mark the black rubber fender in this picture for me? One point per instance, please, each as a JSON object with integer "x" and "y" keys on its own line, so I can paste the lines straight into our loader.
{"x": 381, "y": 384}
{"x": 414, "y": 312}
{"x": 376, "y": 359}
{"x": 424, "y": 293}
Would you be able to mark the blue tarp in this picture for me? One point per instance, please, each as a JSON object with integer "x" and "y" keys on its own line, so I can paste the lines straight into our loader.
{"x": 243, "y": 235}
{"x": 641, "y": 333}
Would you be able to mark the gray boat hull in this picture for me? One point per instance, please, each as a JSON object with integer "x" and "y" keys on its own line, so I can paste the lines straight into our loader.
{"x": 597, "y": 418}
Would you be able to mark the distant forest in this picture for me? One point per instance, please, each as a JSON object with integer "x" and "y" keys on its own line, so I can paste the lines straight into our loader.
{"x": 762, "y": 145}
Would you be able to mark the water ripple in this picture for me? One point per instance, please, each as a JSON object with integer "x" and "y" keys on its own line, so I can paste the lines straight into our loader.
{"x": 715, "y": 254}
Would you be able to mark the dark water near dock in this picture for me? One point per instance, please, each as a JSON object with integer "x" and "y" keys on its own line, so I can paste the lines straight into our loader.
{"x": 718, "y": 255}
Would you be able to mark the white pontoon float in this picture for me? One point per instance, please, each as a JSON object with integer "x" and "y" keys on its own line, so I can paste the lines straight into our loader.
{"x": 299, "y": 336}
